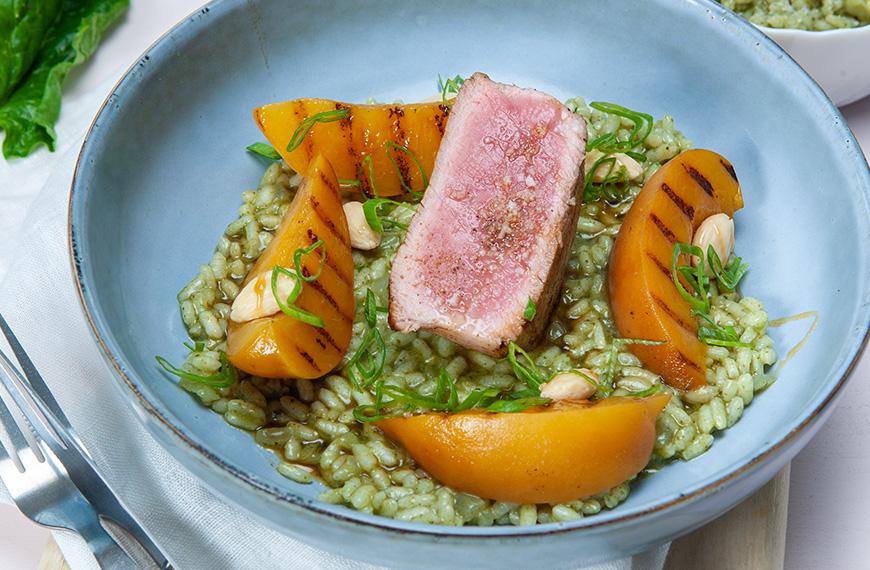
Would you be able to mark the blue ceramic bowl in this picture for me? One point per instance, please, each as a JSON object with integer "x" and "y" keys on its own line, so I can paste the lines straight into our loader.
{"x": 162, "y": 169}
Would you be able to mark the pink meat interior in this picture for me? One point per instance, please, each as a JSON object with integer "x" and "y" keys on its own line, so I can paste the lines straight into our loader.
{"x": 490, "y": 222}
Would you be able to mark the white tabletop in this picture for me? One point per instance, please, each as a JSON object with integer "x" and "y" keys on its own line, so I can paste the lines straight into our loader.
{"x": 827, "y": 525}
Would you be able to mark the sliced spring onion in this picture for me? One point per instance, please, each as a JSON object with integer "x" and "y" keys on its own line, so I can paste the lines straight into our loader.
{"x": 372, "y": 212}
{"x": 225, "y": 377}
{"x": 728, "y": 277}
{"x": 479, "y": 398}
{"x": 654, "y": 389}
{"x": 526, "y": 371}
{"x": 367, "y": 363}
{"x": 715, "y": 334}
{"x": 695, "y": 277}
{"x": 264, "y": 150}
{"x": 297, "y": 261}
{"x": 367, "y": 163}
{"x": 305, "y": 126}
{"x": 287, "y": 306}
{"x": 366, "y": 413}
{"x": 370, "y": 309}
{"x": 531, "y": 310}
{"x": 449, "y": 85}
{"x": 608, "y": 142}
{"x": 390, "y": 145}
{"x": 614, "y": 185}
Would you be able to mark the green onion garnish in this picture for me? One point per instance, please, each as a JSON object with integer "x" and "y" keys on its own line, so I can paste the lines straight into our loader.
{"x": 297, "y": 261}
{"x": 718, "y": 335}
{"x": 609, "y": 187}
{"x": 450, "y": 85}
{"x": 199, "y": 346}
{"x": 444, "y": 399}
{"x": 695, "y": 277}
{"x": 608, "y": 142}
{"x": 372, "y": 211}
{"x": 367, "y": 363}
{"x": 305, "y": 126}
{"x": 728, "y": 277}
{"x": 368, "y": 162}
{"x": 531, "y": 310}
{"x": 287, "y": 306}
{"x": 654, "y": 389}
{"x": 366, "y": 413}
{"x": 264, "y": 150}
{"x": 526, "y": 371}
{"x": 222, "y": 379}
{"x": 349, "y": 182}
{"x": 390, "y": 145}
{"x": 370, "y": 309}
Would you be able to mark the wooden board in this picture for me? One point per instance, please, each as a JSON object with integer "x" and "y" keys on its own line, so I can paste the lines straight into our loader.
{"x": 751, "y": 535}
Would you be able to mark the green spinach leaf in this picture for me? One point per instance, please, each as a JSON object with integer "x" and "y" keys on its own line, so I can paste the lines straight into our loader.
{"x": 23, "y": 27}
{"x": 29, "y": 115}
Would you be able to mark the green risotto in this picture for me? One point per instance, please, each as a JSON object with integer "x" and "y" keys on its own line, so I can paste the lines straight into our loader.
{"x": 311, "y": 424}
{"x": 817, "y": 15}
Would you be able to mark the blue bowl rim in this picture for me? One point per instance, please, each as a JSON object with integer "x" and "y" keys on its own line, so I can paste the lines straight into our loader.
{"x": 857, "y": 342}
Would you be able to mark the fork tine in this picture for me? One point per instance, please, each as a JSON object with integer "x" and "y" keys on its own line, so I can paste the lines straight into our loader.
{"x": 13, "y": 432}
{"x": 32, "y": 374}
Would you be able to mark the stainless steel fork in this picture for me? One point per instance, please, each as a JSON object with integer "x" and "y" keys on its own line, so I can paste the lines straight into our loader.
{"x": 43, "y": 491}
{"x": 62, "y": 488}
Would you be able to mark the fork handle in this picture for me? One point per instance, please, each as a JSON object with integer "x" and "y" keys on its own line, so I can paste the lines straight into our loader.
{"x": 106, "y": 550}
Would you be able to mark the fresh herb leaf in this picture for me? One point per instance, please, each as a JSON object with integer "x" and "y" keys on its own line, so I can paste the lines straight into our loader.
{"x": 715, "y": 334}
{"x": 390, "y": 145}
{"x": 297, "y": 261}
{"x": 372, "y": 210}
{"x": 305, "y": 126}
{"x": 367, "y": 363}
{"x": 370, "y": 309}
{"x": 367, "y": 187}
{"x": 697, "y": 280}
{"x": 728, "y": 277}
{"x": 29, "y": 115}
{"x": 524, "y": 367}
{"x": 479, "y": 398}
{"x": 199, "y": 346}
{"x": 25, "y": 26}
{"x": 222, "y": 379}
{"x": 264, "y": 150}
{"x": 366, "y": 413}
{"x": 608, "y": 143}
{"x": 612, "y": 187}
{"x": 449, "y": 85}
{"x": 444, "y": 399}
{"x": 531, "y": 310}
{"x": 654, "y": 389}
{"x": 287, "y": 306}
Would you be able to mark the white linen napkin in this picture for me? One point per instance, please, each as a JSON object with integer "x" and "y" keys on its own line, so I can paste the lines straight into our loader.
{"x": 195, "y": 527}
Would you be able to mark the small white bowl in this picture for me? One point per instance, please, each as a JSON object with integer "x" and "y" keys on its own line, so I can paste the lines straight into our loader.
{"x": 839, "y": 60}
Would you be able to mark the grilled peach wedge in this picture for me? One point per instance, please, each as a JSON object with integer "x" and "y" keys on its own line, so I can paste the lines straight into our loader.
{"x": 348, "y": 134}
{"x": 646, "y": 304}
{"x": 553, "y": 454}
{"x": 278, "y": 345}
